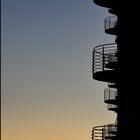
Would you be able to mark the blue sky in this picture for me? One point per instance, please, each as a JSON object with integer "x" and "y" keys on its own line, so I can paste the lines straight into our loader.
{"x": 47, "y": 86}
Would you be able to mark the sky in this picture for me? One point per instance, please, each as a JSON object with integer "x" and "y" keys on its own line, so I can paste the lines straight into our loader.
{"x": 46, "y": 69}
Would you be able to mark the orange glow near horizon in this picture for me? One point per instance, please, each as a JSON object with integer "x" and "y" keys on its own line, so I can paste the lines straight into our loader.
{"x": 47, "y": 88}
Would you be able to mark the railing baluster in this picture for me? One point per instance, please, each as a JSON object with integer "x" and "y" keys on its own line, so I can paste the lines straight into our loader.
{"x": 103, "y": 59}
{"x": 100, "y": 56}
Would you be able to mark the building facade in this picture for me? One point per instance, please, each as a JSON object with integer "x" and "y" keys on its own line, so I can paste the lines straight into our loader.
{"x": 118, "y": 65}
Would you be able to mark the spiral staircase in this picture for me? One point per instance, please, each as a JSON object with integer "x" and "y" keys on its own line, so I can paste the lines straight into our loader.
{"x": 105, "y": 132}
{"x": 105, "y": 69}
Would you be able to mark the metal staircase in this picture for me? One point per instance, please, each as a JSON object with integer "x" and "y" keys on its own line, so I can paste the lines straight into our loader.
{"x": 105, "y": 132}
{"x": 118, "y": 65}
{"x": 105, "y": 69}
{"x": 110, "y": 97}
{"x": 105, "y": 62}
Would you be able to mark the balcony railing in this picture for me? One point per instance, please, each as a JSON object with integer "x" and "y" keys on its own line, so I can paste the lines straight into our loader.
{"x": 103, "y": 55}
{"x": 109, "y": 131}
{"x": 110, "y": 95}
{"x": 105, "y": 132}
{"x": 97, "y": 133}
{"x": 110, "y": 25}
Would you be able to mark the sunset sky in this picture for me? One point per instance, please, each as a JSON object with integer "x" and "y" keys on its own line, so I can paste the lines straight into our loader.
{"x": 46, "y": 70}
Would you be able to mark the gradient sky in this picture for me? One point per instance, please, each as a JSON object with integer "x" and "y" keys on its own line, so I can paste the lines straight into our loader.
{"x": 47, "y": 88}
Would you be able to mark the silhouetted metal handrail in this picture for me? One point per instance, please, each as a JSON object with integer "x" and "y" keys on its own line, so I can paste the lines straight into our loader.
{"x": 97, "y": 132}
{"x": 102, "y": 55}
{"x": 110, "y": 94}
{"x": 110, "y": 97}
{"x": 104, "y": 132}
{"x": 109, "y": 131}
{"x": 110, "y": 22}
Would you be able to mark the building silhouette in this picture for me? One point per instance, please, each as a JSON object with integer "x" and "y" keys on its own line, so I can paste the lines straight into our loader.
{"x": 118, "y": 65}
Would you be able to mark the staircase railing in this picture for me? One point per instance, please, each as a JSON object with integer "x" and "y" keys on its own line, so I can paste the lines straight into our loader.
{"x": 110, "y": 22}
{"x": 104, "y": 132}
{"x": 110, "y": 94}
{"x": 110, "y": 131}
{"x": 102, "y": 55}
{"x": 97, "y": 133}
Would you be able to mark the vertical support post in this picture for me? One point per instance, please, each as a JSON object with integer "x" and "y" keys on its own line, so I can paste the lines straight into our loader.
{"x": 102, "y": 133}
{"x": 93, "y": 62}
{"x": 92, "y": 134}
{"x": 103, "y": 59}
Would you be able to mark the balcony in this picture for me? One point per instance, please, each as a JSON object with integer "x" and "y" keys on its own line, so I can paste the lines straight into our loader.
{"x": 110, "y": 131}
{"x": 106, "y": 3}
{"x": 104, "y": 63}
{"x": 97, "y": 133}
{"x": 110, "y": 25}
{"x": 110, "y": 96}
{"x": 105, "y": 132}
